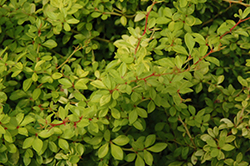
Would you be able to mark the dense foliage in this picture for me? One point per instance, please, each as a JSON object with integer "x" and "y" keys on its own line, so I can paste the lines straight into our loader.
{"x": 124, "y": 82}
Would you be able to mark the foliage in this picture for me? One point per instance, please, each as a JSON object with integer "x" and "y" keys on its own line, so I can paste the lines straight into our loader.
{"x": 109, "y": 82}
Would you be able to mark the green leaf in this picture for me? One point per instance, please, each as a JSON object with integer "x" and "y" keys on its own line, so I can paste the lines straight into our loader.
{"x": 132, "y": 32}
{"x": 62, "y": 113}
{"x": 52, "y": 146}
{"x": 141, "y": 112}
{"x": 2, "y": 130}
{"x": 184, "y": 152}
{"x": 230, "y": 138}
{"x": 96, "y": 14}
{"x": 83, "y": 123}
{"x": 220, "y": 79}
{"x": 162, "y": 20}
{"x": 176, "y": 163}
{"x": 123, "y": 20}
{"x": 65, "y": 82}
{"x": 194, "y": 159}
{"x": 50, "y": 44}
{"x": 227, "y": 147}
{"x": 211, "y": 133}
{"x": 107, "y": 135}
{"x": 150, "y": 140}
{"x": 211, "y": 142}
{"x": 37, "y": 144}
{"x": 151, "y": 106}
{"x": 242, "y": 81}
{"x": 115, "y": 94}
{"x": 36, "y": 93}
{"x": 190, "y": 20}
{"x": 132, "y": 116}
{"x": 140, "y": 69}
{"x": 12, "y": 149}
{"x": 214, "y": 152}
{"x": 81, "y": 84}
{"x": 180, "y": 49}
{"x": 183, "y": 3}
{"x": 38, "y": 64}
{"x": 148, "y": 157}
{"x": 245, "y": 13}
{"x": 63, "y": 144}
{"x": 56, "y": 75}
{"x": 17, "y": 95}
{"x": 89, "y": 27}
{"x": 28, "y": 142}
{"x": 107, "y": 82}
{"x": 139, "y": 16}
{"x": 103, "y": 150}
{"x": 80, "y": 148}
{"x": 130, "y": 157}
{"x": 121, "y": 140}
{"x": 166, "y": 62}
{"x": 139, "y": 161}
{"x": 115, "y": 113}
{"x": 28, "y": 119}
{"x": 105, "y": 99}
{"x": 8, "y": 137}
{"x": 51, "y": 15}
{"x": 227, "y": 121}
{"x": 229, "y": 161}
{"x": 74, "y": 159}
{"x": 189, "y": 41}
{"x": 199, "y": 38}
{"x": 66, "y": 26}
{"x": 27, "y": 83}
{"x": 23, "y": 131}
{"x": 152, "y": 93}
{"x": 213, "y": 60}
{"x": 138, "y": 125}
{"x": 158, "y": 147}
{"x": 72, "y": 21}
{"x": 79, "y": 96}
{"x": 34, "y": 77}
{"x": 3, "y": 158}
{"x": 3, "y": 97}
{"x": 116, "y": 152}
{"x": 239, "y": 157}
{"x": 98, "y": 84}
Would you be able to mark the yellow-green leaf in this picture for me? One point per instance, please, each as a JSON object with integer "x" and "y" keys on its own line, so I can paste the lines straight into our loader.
{"x": 116, "y": 152}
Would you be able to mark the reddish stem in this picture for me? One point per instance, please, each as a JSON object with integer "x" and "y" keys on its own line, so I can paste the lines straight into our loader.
{"x": 145, "y": 29}
{"x": 240, "y": 21}
{"x": 210, "y": 52}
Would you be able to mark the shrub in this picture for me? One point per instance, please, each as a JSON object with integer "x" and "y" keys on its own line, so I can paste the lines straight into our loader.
{"x": 109, "y": 82}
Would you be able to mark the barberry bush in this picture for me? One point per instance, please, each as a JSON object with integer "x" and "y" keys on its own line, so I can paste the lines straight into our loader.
{"x": 124, "y": 82}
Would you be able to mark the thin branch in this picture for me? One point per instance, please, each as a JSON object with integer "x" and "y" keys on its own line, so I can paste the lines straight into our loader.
{"x": 112, "y": 13}
{"x": 212, "y": 19}
{"x": 211, "y": 51}
{"x": 188, "y": 133}
{"x": 75, "y": 50}
{"x": 237, "y": 2}
{"x": 145, "y": 29}
{"x": 101, "y": 39}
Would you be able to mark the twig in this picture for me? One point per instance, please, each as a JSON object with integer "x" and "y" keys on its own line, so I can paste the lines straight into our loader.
{"x": 145, "y": 29}
{"x": 75, "y": 50}
{"x": 188, "y": 133}
{"x": 101, "y": 39}
{"x": 210, "y": 52}
{"x": 212, "y": 19}
{"x": 240, "y": 21}
{"x": 237, "y": 2}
